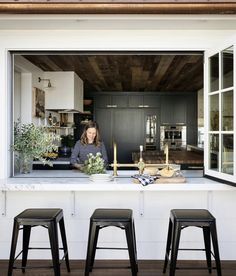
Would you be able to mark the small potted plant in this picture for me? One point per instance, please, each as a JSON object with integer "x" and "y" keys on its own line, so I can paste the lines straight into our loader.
{"x": 94, "y": 164}
{"x": 33, "y": 142}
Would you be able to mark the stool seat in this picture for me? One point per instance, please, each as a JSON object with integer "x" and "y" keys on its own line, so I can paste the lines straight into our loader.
{"x": 40, "y": 215}
{"x": 183, "y": 218}
{"x": 48, "y": 218}
{"x": 104, "y": 217}
{"x": 193, "y": 215}
{"x": 120, "y": 215}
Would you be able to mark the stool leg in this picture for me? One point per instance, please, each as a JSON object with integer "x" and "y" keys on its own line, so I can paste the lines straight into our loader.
{"x": 90, "y": 247}
{"x": 53, "y": 236}
{"x": 94, "y": 248}
{"x": 207, "y": 241}
{"x": 174, "y": 247}
{"x": 216, "y": 248}
{"x": 64, "y": 242}
{"x": 15, "y": 233}
{"x": 168, "y": 244}
{"x": 134, "y": 242}
{"x": 25, "y": 245}
{"x": 129, "y": 238}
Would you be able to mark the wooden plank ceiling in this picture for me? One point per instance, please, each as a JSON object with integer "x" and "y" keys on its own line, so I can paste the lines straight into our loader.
{"x": 113, "y": 72}
{"x": 118, "y": 7}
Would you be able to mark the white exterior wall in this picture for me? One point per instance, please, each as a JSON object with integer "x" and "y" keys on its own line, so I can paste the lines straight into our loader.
{"x": 148, "y": 40}
{"x": 152, "y": 227}
{"x": 151, "y": 221}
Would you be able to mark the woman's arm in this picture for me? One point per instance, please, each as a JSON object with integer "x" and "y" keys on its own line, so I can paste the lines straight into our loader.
{"x": 104, "y": 153}
{"x": 75, "y": 154}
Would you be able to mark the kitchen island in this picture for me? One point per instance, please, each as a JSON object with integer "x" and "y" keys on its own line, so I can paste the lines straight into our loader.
{"x": 78, "y": 197}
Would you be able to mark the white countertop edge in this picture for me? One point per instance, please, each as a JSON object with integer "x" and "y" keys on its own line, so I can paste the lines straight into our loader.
{"x": 115, "y": 186}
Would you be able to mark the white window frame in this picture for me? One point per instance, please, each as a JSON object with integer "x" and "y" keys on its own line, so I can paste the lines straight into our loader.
{"x": 207, "y": 171}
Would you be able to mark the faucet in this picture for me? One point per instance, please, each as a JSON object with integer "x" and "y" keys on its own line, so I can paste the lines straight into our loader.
{"x": 140, "y": 165}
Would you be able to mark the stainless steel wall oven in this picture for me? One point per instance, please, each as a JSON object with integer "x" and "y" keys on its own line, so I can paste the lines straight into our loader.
{"x": 174, "y": 136}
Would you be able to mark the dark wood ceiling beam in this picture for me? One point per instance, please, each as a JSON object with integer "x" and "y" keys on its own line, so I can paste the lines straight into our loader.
{"x": 119, "y": 8}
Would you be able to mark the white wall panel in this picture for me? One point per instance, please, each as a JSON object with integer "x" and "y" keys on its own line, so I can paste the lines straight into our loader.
{"x": 151, "y": 229}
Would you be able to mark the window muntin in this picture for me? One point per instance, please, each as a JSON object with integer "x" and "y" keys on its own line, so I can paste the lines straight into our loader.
{"x": 214, "y": 73}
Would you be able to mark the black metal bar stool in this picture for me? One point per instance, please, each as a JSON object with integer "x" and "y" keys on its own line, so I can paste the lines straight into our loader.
{"x": 101, "y": 218}
{"x": 47, "y": 218}
{"x": 182, "y": 218}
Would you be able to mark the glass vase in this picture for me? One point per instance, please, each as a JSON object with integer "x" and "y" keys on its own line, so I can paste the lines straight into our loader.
{"x": 26, "y": 164}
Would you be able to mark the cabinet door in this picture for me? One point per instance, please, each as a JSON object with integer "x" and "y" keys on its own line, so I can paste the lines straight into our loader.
{"x": 166, "y": 109}
{"x": 127, "y": 132}
{"x": 103, "y": 101}
{"x": 192, "y": 119}
{"x": 104, "y": 118}
{"x": 135, "y": 101}
{"x": 179, "y": 110}
{"x": 173, "y": 109}
{"x": 119, "y": 101}
{"x": 151, "y": 101}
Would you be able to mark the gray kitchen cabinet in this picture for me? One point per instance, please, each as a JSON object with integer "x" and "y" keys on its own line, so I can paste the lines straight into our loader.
{"x": 135, "y": 100}
{"x": 144, "y": 101}
{"x": 173, "y": 109}
{"x": 127, "y": 131}
{"x": 111, "y": 101}
{"x": 192, "y": 119}
{"x": 103, "y": 116}
{"x": 125, "y": 127}
{"x": 151, "y": 101}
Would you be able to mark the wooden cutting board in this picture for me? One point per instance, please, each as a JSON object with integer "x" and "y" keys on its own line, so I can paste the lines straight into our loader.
{"x": 166, "y": 180}
{"x": 171, "y": 180}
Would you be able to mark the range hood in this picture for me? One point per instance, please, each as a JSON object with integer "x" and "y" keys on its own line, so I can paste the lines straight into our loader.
{"x": 69, "y": 111}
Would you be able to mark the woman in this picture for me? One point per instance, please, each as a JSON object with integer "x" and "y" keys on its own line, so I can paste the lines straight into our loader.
{"x": 89, "y": 143}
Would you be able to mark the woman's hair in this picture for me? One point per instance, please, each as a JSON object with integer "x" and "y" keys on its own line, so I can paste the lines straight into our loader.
{"x": 84, "y": 139}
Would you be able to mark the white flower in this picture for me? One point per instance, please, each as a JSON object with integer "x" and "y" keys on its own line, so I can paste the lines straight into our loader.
{"x": 94, "y": 164}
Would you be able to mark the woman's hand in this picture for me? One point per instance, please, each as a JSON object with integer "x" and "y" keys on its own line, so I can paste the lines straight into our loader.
{"x": 78, "y": 166}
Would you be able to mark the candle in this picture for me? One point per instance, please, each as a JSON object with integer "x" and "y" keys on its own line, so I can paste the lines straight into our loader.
{"x": 167, "y": 154}
{"x": 115, "y": 153}
{"x": 141, "y": 147}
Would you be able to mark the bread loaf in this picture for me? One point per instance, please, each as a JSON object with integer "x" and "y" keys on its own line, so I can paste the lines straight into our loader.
{"x": 168, "y": 171}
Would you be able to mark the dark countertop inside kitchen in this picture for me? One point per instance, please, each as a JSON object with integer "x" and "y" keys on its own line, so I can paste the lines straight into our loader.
{"x": 175, "y": 157}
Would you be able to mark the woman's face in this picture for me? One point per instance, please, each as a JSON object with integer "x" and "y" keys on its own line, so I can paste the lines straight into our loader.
{"x": 91, "y": 134}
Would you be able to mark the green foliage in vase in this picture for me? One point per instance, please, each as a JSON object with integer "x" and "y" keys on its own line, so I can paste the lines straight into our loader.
{"x": 34, "y": 142}
{"x": 94, "y": 164}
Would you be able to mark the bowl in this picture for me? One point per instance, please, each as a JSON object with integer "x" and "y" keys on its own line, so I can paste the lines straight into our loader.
{"x": 87, "y": 101}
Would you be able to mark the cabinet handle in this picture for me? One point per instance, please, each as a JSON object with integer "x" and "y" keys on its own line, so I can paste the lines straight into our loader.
{"x": 140, "y": 105}
{"x": 111, "y": 105}
{"x": 146, "y": 105}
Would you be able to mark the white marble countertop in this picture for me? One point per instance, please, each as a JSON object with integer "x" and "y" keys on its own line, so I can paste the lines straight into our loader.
{"x": 73, "y": 180}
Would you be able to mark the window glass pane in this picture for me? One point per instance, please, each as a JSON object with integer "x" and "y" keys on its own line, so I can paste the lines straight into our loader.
{"x": 214, "y": 112}
{"x": 227, "y": 68}
{"x": 227, "y": 111}
{"x": 214, "y": 73}
{"x": 214, "y": 151}
{"x": 227, "y": 153}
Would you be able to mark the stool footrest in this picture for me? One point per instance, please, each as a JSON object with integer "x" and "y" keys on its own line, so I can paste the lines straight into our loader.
{"x": 192, "y": 249}
{"x": 32, "y": 267}
{"x": 115, "y": 248}
{"x": 111, "y": 267}
{"x": 42, "y": 248}
{"x": 195, "y": 267}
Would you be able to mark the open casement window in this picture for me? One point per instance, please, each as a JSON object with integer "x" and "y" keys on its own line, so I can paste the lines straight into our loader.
{"x": 220, "y": 114}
